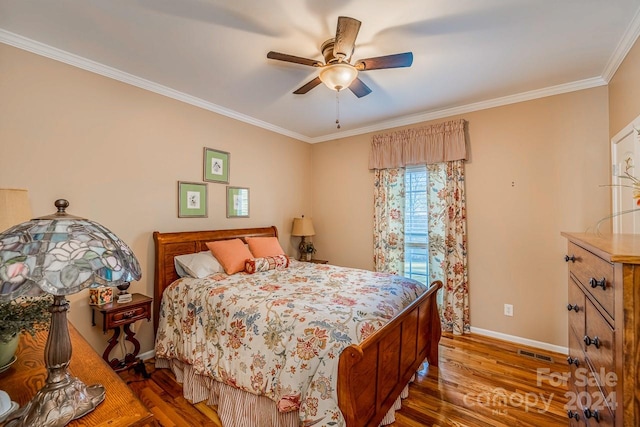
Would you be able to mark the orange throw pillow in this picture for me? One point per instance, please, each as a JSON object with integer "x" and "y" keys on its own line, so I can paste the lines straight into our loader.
{"x": 231, "y": 254}
{"x": 262, "y": 247}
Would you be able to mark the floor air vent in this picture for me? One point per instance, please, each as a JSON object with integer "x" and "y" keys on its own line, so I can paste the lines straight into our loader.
{"x": 536, "y": 356}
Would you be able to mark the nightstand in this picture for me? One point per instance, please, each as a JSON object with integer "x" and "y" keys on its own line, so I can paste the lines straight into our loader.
{"x": 122, "y": 315}
{"x": 316, "y": 261}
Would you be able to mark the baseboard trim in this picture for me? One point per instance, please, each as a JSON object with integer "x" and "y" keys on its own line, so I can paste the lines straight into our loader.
{"x": 147, "y": 355}
{"x": 520, "y": 340}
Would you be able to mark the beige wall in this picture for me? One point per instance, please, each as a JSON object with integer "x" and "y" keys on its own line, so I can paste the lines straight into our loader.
{"x": 554, "y": 150}
{"x": 116, "y": 153}
{"x": 624, "y": 92}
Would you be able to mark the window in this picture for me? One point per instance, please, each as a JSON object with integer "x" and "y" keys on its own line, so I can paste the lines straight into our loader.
{"x": 416, "y": 224}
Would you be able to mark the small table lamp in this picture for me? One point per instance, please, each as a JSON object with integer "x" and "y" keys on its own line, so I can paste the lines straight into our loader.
{"x": 302, "y": 227}
{"x": 60, "y": 254}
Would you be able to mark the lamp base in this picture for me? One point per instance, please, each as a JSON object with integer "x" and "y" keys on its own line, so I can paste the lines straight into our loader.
{"x": 302, "y": 247}
{"x": 55, "y": 405}
{"x": 63, "y": 397}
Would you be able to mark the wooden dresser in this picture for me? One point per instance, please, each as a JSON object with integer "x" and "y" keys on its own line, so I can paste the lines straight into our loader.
{"x": 119, "y": 409}
{"x": 604, "y": 328}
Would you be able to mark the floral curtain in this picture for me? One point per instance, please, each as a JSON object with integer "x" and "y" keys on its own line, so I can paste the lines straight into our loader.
{"x": 447, "y": 210}
{"x": 448, "y": 242}
{"x": 388, "y": 220}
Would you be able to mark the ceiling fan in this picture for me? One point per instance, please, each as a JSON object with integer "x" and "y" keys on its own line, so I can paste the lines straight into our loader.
{"x": 337, "y": 72}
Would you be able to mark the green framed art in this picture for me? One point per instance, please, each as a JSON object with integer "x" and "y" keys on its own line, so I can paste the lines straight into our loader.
{"x": 216, "y": 166}
{"x": 192, "y": 200}
{"x": 237, "y": 202}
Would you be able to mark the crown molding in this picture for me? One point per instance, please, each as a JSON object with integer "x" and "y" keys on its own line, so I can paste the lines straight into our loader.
{"x": 51, "y": 52}
{"x": 483, "y": 105}
{"x": 624, "y": 46}
{"x": 42, "y": 49}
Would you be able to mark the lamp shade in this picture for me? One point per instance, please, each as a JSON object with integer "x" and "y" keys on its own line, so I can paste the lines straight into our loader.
{"x": 302, "y": 227}
{"x": 338, "y": 76}
{"x": 14, "y": 207}
{"x": 61, "y": 254}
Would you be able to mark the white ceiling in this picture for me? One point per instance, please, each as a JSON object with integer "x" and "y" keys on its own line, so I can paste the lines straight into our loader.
{"x": 468, "y": 54}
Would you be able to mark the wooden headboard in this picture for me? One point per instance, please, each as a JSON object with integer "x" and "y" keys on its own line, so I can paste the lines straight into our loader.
{"x": 170, "y": 245}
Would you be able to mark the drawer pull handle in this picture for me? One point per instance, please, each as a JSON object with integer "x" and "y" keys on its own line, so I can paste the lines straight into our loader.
{"x": 573, "y": 361}
{"x": 568, "y": 258}
{"x": 128, "y": 314}
{"x": 595, "y": 283}
{"x": 595, "y": 414}
{"x": 575, "y": 415}
{"x": 595, "y": 341}
{"x": 573, "y": 307}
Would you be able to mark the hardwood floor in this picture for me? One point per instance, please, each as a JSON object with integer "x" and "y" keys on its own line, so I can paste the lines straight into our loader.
{"x": 481, "y": 381}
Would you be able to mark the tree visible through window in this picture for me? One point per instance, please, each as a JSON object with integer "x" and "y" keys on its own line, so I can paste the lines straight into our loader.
{"x": 416, "y": 224}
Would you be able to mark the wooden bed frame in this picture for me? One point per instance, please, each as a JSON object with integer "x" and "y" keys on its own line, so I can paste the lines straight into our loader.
{"x": 371, "y": 375}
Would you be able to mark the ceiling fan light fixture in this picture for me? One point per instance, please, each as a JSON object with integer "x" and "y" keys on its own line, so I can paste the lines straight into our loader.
{"x": 338, "y": 76}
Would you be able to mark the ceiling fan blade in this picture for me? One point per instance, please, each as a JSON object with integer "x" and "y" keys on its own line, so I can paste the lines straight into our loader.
{"x": 295, "y": 59}
{"x": 359, "y": 89}
{"x": 308, "y": 86}
{"x": 346, "y": 34}
{"x": 390, "y": 61}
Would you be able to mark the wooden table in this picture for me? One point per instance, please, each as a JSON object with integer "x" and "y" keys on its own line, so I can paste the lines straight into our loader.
{"x": 28, "y": 374}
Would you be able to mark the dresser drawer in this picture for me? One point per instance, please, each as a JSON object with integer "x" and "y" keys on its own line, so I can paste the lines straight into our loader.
{"x": 575, "y": 306}
{"x": 601, "y": 355}
{"x": 576, "y": 358}
{"x": 595, "y": 274}
{"x": 596, "y": 408}
{"x": 575, "y": 410}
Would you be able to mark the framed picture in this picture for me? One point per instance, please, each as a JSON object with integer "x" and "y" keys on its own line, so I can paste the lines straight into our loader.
{"x": 237, "y": 202}
{"x": 216, "y": 166}
{"x": 192, "y": 200}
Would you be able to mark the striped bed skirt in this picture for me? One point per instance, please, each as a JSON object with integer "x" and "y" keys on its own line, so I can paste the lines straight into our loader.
{"x": 239, "y": 408}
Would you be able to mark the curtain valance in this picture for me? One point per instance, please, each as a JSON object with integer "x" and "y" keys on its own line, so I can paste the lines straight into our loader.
{"x": 443, "y": 142}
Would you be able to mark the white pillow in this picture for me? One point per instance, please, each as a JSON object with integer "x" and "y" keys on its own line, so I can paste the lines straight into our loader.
{"x": 198, "y": 265}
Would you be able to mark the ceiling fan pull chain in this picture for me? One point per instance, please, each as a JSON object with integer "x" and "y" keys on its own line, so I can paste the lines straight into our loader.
{"x": 338, "y": 109}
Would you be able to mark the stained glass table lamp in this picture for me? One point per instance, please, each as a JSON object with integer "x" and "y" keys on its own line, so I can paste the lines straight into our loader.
{"x": 60, "y": 254}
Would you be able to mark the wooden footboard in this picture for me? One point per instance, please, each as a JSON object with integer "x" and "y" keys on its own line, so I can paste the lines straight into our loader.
{"x": 372, "y": 375}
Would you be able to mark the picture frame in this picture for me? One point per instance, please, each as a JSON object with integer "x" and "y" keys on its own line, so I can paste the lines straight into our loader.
{"x": 216, "y": 166}
{"x": 192, "y": 199}
{"x": 237, "y": 202}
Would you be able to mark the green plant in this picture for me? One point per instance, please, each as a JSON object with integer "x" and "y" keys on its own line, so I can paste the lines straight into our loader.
{"x": 26, "y": 314}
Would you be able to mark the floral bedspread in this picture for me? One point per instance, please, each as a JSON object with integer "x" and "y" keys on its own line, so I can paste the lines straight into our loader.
{"x": 279, "y": 333}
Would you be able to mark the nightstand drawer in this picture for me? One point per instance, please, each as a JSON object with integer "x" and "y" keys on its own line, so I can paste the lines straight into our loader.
{"x": 123, "y": 317}
{"x": 114, "y": 315}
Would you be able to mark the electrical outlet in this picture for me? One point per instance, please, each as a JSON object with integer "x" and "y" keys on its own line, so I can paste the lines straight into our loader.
{"x": 508, "y": 310}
